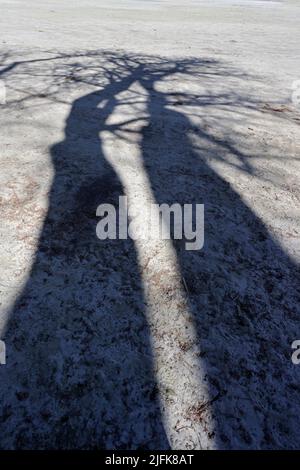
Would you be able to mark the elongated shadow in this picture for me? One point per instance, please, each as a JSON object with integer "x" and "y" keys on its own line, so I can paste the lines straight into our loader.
{"x": 242, "y": 287}
{"x": 79, "y": 371}
{"x": 79, "y": 367}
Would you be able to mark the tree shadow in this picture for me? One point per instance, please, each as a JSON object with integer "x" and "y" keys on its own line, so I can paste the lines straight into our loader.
{"x": 72, "y": 383}
{"x": 78, "y": 375}
{"x": 243, "y": 288}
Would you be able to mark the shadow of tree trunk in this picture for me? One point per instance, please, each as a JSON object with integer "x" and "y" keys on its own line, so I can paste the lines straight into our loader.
{"x": 81, "y": 376}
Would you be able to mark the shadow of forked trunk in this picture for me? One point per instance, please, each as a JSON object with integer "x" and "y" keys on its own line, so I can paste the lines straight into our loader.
{"x": 79, "y": 372}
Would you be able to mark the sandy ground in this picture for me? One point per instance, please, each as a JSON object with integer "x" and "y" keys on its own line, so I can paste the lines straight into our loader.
{"x": 132, "y": 344}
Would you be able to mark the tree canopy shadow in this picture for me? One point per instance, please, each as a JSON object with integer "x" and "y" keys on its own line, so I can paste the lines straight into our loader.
{"x": 80, "y": 376}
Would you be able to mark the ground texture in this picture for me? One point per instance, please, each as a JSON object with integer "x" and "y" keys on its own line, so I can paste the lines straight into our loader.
{"x": 124, "y": 344}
